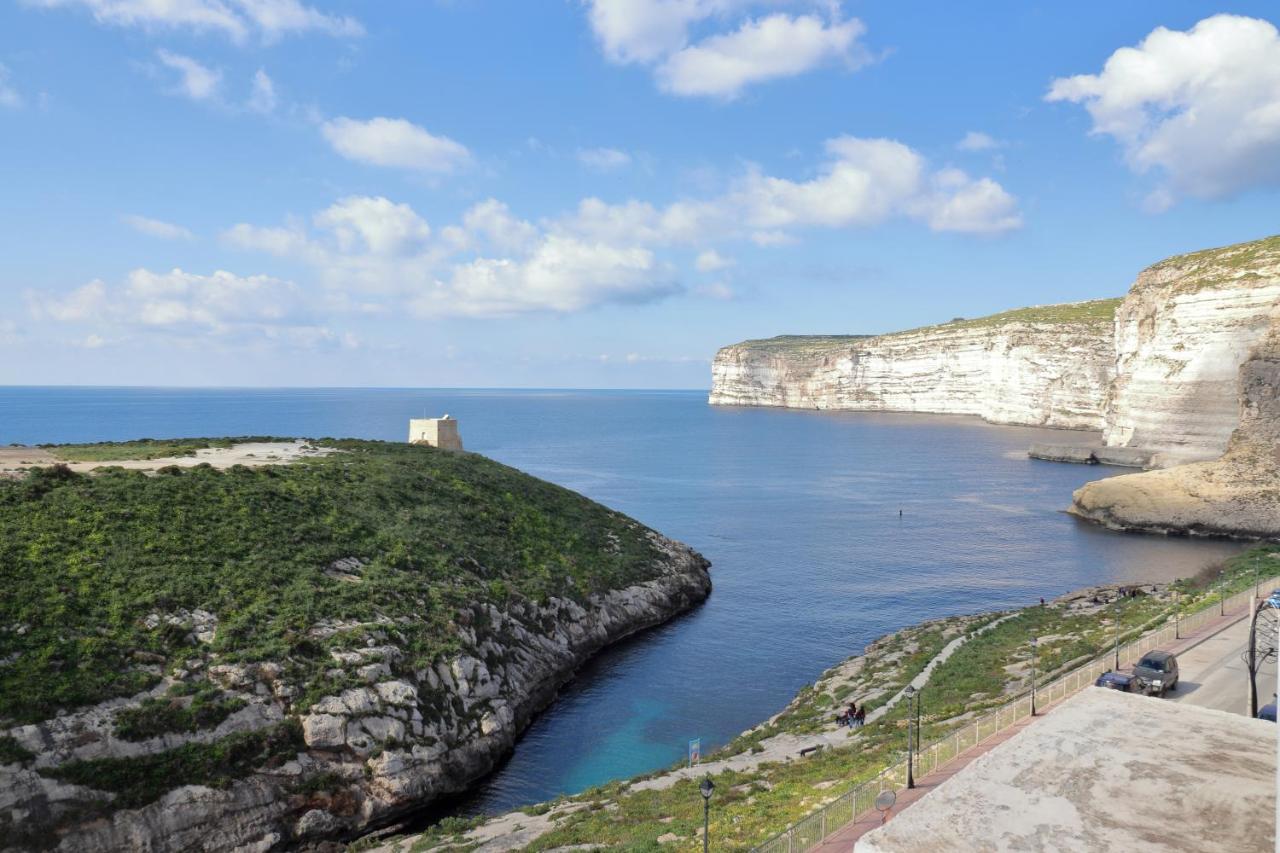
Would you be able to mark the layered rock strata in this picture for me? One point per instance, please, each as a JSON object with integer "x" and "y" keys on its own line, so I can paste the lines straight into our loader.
{"x": 366, "y": 754}
{"x": 1046, "y": 366}
{"x": 1182, "y": 333}
{"x": 1237, "y": 495}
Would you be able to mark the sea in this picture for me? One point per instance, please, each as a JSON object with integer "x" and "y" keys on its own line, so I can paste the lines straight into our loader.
{"x": 825, "y": 531}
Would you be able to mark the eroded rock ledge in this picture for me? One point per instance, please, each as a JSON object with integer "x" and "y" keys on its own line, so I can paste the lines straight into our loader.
{"x": 1237, "y": 495}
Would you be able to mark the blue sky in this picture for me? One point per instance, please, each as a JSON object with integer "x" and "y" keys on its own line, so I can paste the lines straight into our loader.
{"x": 593, "y": 194}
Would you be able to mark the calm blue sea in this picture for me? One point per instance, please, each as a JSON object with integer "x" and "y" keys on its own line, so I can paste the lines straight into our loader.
{"x": 797, "y": 511}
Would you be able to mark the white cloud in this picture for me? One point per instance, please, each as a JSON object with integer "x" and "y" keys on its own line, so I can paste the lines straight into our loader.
{"x": 710, "y": 261}
{"x": 561, "y": 274}
{"x": 373, "y": 254}
{"x": 868, "y": 181}
{"x": 1200, "y": 108}
{"x": 158, "y": 228}
{"x": 234, "y": 18}
{"x": 9, "y": 333}
{"x": 9, "y": 95}
{"x": 603, "y": 159}
{"x": 375, "y": 225}
{"x": 657, "y": 33}
{"x": 396, "y": 143}
{"x": 188, "y": 305}
{"x": 263, "y": 97}
{"x": 196, "y": 81}
{"x": 763, "y": 49}
{"x": 976, "y": 140}
{"x": 280, "y": 17}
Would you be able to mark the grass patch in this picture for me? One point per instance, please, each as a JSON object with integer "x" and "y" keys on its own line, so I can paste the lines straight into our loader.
{"x": 1095, "y": 312}
{"x": 206, "y": 709}
{"x": 12, "y": 752}
{"x": 143, "y": 448}
{"x": 144, "y": 779}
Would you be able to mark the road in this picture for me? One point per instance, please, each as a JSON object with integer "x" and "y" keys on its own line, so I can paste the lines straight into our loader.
{"x": 1213, "y": 674}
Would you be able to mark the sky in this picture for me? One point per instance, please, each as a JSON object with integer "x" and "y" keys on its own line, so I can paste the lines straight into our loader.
{"x": 594, "y": 193}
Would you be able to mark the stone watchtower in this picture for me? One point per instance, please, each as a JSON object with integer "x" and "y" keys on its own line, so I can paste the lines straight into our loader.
{"x": 436, "y": 432}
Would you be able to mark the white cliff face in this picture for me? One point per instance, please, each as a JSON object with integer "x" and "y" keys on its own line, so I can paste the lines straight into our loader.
{"x": 1181, "y": 335}
{"x": 1015, "y": 371}
{"x": 1237, "y": 495}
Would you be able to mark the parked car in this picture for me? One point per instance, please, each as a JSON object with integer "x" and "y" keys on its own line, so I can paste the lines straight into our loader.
{"x": 1274, "y": 598}
{"x": 1114, "y": 681}
{"x": 1157, "y": 673}
{"x": 1267, "y": 712}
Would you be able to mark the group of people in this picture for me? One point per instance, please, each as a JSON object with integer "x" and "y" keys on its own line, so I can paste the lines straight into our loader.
{"x": 853, "y": 717}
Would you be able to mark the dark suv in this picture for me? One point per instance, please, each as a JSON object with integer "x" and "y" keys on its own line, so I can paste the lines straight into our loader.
{"x": 1157, "y": 673}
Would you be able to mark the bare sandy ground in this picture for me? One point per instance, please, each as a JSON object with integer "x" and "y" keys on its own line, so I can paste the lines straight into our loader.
{"x": 13, "y": 460}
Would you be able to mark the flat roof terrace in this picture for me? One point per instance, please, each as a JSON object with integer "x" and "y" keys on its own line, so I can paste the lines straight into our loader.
{"x": 1105, "y": 771}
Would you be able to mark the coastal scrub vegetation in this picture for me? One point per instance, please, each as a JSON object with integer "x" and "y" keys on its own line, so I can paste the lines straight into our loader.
{"x": 1074, "y": 313}
{"x": 992, "y": 667}
{"x": 98, "y": 565}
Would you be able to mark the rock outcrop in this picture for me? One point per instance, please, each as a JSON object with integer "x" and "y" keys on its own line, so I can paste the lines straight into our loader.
{"x": 1182, "y": 333}
{"x": 1237, "y": 495}
{"x": 359, "y": 757}
{"x": 1045, "y": 366}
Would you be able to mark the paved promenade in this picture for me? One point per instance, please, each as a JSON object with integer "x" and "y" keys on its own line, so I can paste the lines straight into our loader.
{"x": 848, "y": 836}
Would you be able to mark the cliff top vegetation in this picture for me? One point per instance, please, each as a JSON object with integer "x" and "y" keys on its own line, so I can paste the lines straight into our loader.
{"x": 373, "y": 534}
{"x": 1098, "y": 311}
{"x": 1256, "y": 261}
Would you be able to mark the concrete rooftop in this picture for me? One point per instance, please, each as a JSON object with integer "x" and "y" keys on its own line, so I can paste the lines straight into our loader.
{"x": 1105, "y": 771}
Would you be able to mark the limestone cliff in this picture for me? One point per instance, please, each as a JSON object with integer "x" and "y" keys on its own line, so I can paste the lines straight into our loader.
{"x": 1182, "y": 333}
{"x": 1044, "y": 366}
{"x": 367, "y": 753}
{"x": 1237, "y": 495}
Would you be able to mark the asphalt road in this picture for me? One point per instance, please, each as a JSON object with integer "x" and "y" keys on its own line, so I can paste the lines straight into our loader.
{"x": 1213, "y": 674}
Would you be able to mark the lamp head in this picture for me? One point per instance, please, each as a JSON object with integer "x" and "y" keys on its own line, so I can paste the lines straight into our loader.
{"x": 707, "y": 787}
{"x": 910, "y": 691}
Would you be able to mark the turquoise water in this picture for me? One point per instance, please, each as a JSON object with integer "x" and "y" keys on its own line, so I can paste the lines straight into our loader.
{"x": 797, "y": 511}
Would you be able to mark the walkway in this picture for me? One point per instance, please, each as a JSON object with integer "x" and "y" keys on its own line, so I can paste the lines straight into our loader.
{"x": 844, "y": 839}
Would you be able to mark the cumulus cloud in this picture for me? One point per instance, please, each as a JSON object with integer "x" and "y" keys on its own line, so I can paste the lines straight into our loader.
{"x": 976, "y": 140}
{"x": 262, "y": 98}
{"x": 186, "y": 305}
{"x": 195, "y": 81}
{"x": 710, "y": 261}
{"x": 603, "y": 159}
{"x": 372, "y": 253}
{"x": 9, "y": 96}
{"x": 157, "y": 228}
{"x": 657, "y": 33}
{"x": 492, "y": 264}
{"x": 1198, "y": 108}
{"x": 763, "y": 49}
{"x": 396, "y": 143}
{"x": 271, "y": 19}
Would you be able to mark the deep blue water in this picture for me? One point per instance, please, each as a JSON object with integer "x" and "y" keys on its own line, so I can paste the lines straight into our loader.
{"x": 797, "y": 511}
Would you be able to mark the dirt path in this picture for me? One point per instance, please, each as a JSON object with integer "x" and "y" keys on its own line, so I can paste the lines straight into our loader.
{"x": 13, "y": 460}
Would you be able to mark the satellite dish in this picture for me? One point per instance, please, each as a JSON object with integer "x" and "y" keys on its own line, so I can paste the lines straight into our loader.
{"x": 885, "y": 800}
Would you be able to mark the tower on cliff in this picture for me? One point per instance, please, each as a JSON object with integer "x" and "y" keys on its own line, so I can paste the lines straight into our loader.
{"x": 436, "y": 432}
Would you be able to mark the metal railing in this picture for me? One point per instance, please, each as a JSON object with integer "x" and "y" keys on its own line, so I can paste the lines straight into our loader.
{"x": 812, "y": 830}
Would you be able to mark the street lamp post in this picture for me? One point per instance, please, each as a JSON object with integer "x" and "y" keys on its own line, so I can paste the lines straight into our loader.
{"x": 1115, "y": 619}
{"x": 707, "y": 788}
{"x": 1033, "y": 675}
{"x": 911, "y": 754}
{"x": 1177, "y": 615}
